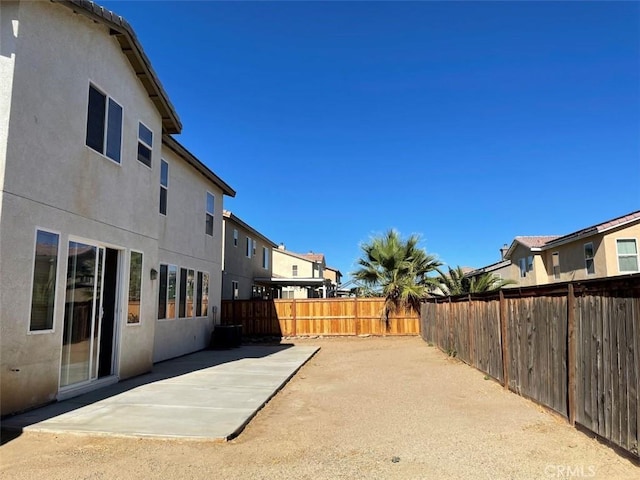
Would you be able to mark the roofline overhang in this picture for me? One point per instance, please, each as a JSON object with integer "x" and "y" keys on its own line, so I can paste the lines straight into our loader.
{"x": 574, "y": 237}
{"x": 227, "y": 214}
{"x": 174, "y": 145}
{"x": 132, "y": 49}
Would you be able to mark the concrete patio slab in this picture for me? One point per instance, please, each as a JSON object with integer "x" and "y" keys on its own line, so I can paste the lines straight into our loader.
{"x": 211, "y": 395}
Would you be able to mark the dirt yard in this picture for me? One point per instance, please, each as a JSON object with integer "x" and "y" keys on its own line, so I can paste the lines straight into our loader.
{"x": 388, "y": 408}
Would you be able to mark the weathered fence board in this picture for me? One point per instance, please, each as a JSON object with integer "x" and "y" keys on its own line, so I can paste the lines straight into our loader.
{"x": 573, "y": 347}
{"x": 331, "y": 316}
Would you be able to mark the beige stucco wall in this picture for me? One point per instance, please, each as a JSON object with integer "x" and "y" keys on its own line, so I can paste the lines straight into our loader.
{"x": 283, "y": 265}
{"x": 53, "y": 181}
{"x": 237, "y": 266}
{"x": 183, "y": 242}
{"x": 536, "y": 277}
{"x": 610, "y": 246}
{"x": 8, "y": 42}
{"x": 572, "y": 261}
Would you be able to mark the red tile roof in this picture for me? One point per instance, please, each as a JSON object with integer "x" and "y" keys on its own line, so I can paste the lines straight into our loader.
{"x": 536, "y": 241}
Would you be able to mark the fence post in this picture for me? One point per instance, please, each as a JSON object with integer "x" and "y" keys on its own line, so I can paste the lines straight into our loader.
{"x": 293, "y": 321}
{"x": 571, "y": 355}
{"x": 504, "y": 337}
{"x": 355, "y": 315}
{"x": 471, "y": 333}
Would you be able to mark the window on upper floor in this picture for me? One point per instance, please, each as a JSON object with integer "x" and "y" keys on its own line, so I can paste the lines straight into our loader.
{"x": 555, "y": 262}
{"x": 249, "y": 247}
{"x": 588, "y": 259}
{"x": 234, "y": 289}
{"x": 235, "y": 237}
{"x": 209, "y": 214}
{"x": 627, "y": 249}
{"x": 164, "y": 186}
{"x": 265, "y": 258}
{"x": 104, "y": 124}
{"x": 255, "y": 244}
{"x": 522, "y": 263}
{"x": 145, "y": 144}
{"x": 294, "y": 271}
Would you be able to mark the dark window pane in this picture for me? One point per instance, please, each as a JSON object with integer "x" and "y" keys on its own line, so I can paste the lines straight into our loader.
{"x": 182, "y": 304}
{"x": 199, "y": 295}
{"x": 163, "y": 201}
{"x": 44, "y": 281}
{"x": 144, "y": 154}
{"x": 209, "y": 228}
{"x": 114, "y": 131}
{"x": 95, "y": 120}
{"x": 145, "y": 134}
{"x": 162, "y": 293}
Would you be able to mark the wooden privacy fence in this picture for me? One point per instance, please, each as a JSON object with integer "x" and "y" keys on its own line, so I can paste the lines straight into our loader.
{"x": 317, "y": 316}
{"x": 573, "y": 347}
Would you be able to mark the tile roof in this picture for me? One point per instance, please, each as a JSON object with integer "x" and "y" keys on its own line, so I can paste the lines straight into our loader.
{"x": 536, "y": 241}
{"x": 599, "y": 228}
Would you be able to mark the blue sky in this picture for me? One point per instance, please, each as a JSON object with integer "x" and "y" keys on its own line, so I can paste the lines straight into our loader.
{"x": 468, "y": 123}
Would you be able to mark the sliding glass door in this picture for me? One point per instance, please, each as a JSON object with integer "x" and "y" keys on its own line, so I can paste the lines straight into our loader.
{"x": 83, "y": 314}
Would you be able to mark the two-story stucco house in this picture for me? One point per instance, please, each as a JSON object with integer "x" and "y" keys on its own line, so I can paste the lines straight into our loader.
{"x": 110, "y": 231}
{"x": 299, "y": 275}
{"x": 247, "y": 261}
{"x": 607, "y": 249}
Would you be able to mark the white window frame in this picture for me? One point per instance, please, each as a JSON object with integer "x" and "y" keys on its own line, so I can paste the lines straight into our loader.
{"x": 55, "y": 298}
{"x": 126, "y": 321}
{"x": 255, "y": 246}
{"x": 209, "y": 213}
{"x": 235, "y": 237}
{"x": 294, "y": 270}
{"x": 265, "y": 258}
{"x": 637, "y": 255}
{"x": 164, "y": 187}
{"x": 235, "y": 289}
{"x": 592, "y": 258}
{"x": 106, "y": 125}
{"x": 144, "y": 143}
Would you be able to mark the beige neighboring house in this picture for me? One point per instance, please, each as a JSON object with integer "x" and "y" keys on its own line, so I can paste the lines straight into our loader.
{"x": 334, "y": 276}
{"x": 110, "y": 230}
{"x": 299, "y": 275}
{"x": 607, "y": 249}
{"x": 247, "y": 261}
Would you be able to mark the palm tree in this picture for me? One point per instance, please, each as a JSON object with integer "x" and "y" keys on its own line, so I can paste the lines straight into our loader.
{"x": 457, "y": 283}
{"x": 397, "y": 270}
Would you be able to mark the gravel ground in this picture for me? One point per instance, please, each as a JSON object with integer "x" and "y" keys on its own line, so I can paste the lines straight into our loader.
{"x": 374, "y": 408}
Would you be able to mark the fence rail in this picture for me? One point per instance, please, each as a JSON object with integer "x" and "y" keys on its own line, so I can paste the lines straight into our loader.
{"x": 318, "y": 316}
{"x": 573, "y": 347}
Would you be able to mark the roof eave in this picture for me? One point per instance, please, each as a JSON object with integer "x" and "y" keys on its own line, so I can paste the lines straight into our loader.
{"x": 174, "y": 145}
{"x": 132, "y": 49}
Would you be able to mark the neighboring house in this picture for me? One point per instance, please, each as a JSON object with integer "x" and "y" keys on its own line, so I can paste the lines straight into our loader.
{"x": 299, "y": 275}
{"x": 607, "y": 249}
{"x": 334, "y": 276}
{"x": 110, "y": 231}
{"x": 247, "y": 261}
